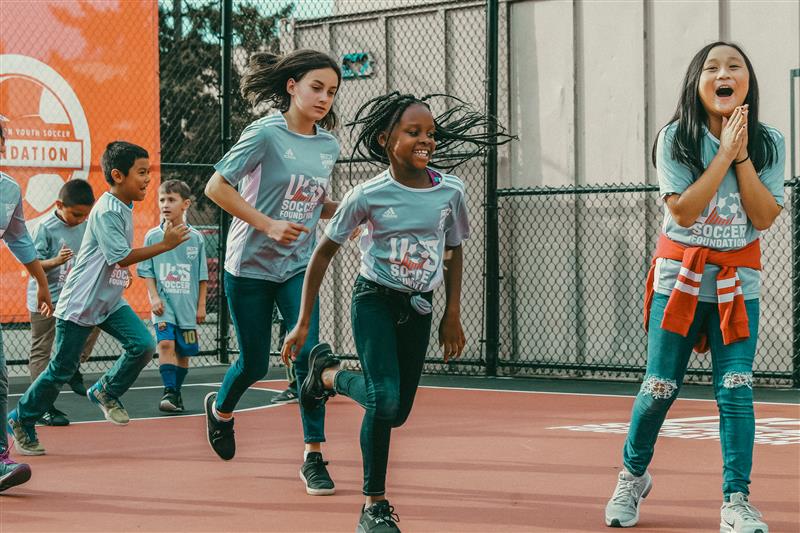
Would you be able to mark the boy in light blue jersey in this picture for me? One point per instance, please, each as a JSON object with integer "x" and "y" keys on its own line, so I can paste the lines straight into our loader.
{"x": 14, "y": 233}
{"x": 414, "y": 215}
{"x": 92, "y": 296}
{"x": 57, "y": 238}
{"x": 274, "y": 182}
{"x": 176, "y": 284}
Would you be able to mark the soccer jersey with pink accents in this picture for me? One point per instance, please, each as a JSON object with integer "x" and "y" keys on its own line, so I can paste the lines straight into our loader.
{"x": 94, "y": 285}
{"x": 407, "y": 229}
{"x": 284, "y": 175}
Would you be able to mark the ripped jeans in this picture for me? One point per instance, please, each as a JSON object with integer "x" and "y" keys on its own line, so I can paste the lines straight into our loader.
{"x": 667, "y": 358}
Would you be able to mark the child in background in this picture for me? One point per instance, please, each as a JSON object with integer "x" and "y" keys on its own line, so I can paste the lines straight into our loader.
{"x": 176, "y": 284}
{"x": 58, "y": 238}
{"x": 16, "y": 237}
{"x": 92, "y": 296}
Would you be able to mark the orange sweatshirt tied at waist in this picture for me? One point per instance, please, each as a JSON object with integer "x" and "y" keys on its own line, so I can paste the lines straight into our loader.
{"x": 679, "y": 313}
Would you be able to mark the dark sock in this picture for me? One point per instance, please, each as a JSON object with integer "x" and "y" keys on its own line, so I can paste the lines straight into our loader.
{"x": 168, "y": 375}
{"x": 180, "y": 375}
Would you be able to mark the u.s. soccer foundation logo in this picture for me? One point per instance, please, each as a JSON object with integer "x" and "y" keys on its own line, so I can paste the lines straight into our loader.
{"x": 47, "y": 134}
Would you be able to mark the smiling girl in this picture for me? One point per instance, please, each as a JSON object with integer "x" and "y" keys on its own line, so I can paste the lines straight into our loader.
{"x": 413, "y": 214}
{"x": 275, "y": 182}
{"x": 720, "y": 173}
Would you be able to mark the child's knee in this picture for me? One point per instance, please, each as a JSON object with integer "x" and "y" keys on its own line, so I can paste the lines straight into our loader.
{"x": 735, "y": 389}
{"x": 658, "y": 392}
{"x": 387, "y": 407}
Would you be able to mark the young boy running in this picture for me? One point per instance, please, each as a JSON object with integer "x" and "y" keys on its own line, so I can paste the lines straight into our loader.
{"x": 58, "y": 238}
{"x": 176, "y": 284}
{"x": 92, "y": 296}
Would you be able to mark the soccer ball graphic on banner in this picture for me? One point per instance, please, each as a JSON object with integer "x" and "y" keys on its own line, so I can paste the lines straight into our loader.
{"x": 47, "y": 134}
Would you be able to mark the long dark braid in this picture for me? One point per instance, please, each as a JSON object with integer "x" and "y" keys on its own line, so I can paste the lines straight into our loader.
{"x": 461, "y": 132}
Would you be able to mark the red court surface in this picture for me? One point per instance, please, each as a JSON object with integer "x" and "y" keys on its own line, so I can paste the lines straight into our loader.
{"x": 466, "y": 461}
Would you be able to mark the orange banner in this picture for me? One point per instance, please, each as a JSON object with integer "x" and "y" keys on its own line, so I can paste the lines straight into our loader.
{"x": 74, "y": 76}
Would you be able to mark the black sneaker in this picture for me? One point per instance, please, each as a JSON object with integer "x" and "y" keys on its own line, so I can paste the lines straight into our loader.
{"x": 180, "y": 400}
{"x": 313, "y": 393}
{"x": 76, "y": 383}
{"x": 220, "y": 434}
{"x": 169, "y": 401}
{"x": 315, "y": 475}
{"x": 287, "y": 396}
{"x": 54, "y": 417}
{"x": 378, "y": 518}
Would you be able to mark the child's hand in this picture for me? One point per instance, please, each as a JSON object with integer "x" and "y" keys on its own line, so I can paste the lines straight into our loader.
{"x": 284, "y": 232}
{"x": 742, "y": 155}
{"x": 175, "y": 235}
{"x": 64, "y": 255}
{"x": 157, "y": 305}
{"x": 201, "y": 314}
{"x": 734, "y": 129}
{"x": 43, "y": 302}
{"x": 451, "y": 337}
{"x": 293, "y": 343}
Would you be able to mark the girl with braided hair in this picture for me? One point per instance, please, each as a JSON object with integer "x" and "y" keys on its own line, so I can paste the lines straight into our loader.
{"x": 413, "y": 214}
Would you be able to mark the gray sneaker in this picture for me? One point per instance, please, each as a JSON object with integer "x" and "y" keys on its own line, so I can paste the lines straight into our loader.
{"x": 24, "y": 436}
{"x": 112, "y": 408}
{"x": 739, "y": 516}
{"x": 622, "y": 509}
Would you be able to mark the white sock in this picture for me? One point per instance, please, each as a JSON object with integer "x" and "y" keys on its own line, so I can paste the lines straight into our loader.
{"x": 216, "y": 415}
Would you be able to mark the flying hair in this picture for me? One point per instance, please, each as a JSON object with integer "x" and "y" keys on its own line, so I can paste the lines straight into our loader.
{"x": 461, "y": 132}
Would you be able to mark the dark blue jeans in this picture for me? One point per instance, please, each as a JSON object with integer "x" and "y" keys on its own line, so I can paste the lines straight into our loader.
{"x": 391, "y": 340}
{"x": 251, "y": 302}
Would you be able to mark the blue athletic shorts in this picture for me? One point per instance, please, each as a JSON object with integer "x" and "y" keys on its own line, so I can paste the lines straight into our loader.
{"x": 186, "y": 343}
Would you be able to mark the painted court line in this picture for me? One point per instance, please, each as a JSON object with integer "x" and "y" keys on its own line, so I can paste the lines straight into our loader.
{"x": 598, "y": 395}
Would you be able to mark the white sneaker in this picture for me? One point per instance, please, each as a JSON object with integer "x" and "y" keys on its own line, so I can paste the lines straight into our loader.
{"x": 622, "y": 509}
{"x": 739, "y": 516}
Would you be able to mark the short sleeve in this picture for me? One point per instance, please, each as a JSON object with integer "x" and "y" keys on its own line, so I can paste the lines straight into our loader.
{"x": 673, "y": 176}
{"x": 245, "y": 155}
{"x": 459, "y": 230}
{"x": 112, "y": 239}
{"x": 351, "y": 213}
{"x": 773, "y": 176}
{"x": 146, "y": 268}
{"x": 17, "y": 237}
{"x": 203, "y": 260}
{"x": 43, "y": 243}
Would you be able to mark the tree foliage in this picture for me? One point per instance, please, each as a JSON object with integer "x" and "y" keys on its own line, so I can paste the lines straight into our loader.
{"x": 190, "y": 64}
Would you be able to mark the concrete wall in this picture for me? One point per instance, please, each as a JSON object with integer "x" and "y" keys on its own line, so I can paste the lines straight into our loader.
{"x": 593, "y": 81}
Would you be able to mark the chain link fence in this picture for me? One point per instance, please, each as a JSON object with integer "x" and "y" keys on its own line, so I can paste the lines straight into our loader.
{"x": 572, "y": 261}
{"x": 573, "y": 266}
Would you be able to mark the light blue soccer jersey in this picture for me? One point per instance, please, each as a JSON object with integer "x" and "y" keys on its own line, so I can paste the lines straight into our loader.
{"x": 178, "y": 274}
{"x": 49, "y": 236}
{"x": 723, "y": 224}
{"x": 12, "y": 222}
{"x": 94, "y": 285}
{"x": 407, "y": 229}
{"x": 285, "y": 175}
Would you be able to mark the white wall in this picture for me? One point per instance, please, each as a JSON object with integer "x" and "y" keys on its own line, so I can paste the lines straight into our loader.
{"x": 593, "y": 81}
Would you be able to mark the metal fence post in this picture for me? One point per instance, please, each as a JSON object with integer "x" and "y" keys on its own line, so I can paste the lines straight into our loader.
{"x": 795, "y": 282}
{"x": 492, "y": 248}
{"x": 224, "y": 218}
